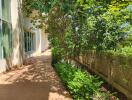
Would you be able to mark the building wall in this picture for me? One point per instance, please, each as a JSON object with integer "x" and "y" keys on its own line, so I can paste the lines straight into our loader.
{"x": 41, "y": 38}
{"x": 44, "y": 41}
{"x": 16, "y": 55}
{"x": 19, "y": 25}
{"x": 17, "y": 30}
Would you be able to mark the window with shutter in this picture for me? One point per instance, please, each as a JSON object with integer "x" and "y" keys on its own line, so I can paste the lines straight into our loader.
{"x": 29, "y": 41}
{"x": 5, "y": 29}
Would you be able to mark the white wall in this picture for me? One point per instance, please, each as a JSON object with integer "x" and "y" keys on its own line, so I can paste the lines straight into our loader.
{"x": 18, "y": 26}
{"x": 2, "y": 65}
{"x": 28, "y": 26}
{"x": 44, "y": 41}
{"x": 41, "y": 39}
{"x": 17, "y": 32}
{"x": 16, "y": 29}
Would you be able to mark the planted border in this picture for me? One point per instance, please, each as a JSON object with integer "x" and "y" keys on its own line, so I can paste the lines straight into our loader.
{"x": 81, "y": 85}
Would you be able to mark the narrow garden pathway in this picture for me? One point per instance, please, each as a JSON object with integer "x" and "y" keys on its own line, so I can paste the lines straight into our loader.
{"x": 36, "y": 80}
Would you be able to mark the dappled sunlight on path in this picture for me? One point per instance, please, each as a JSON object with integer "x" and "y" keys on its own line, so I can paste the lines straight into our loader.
{"x": 37, "y": 80}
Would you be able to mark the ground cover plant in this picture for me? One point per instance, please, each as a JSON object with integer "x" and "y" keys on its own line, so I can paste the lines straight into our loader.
{"x": 81, "y": 85}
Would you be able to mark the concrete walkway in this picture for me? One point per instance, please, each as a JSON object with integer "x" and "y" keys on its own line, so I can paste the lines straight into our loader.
{"x": 37, "y": 80}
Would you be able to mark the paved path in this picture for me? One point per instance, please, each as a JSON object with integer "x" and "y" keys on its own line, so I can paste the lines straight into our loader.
{"x": 36, "y": 80}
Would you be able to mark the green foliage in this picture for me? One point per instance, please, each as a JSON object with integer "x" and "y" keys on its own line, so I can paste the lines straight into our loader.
{"x": 124, "y": 51}
{"x": 97, "y": 26}
{"x": 124, "y": 48}
{"x": 55, "y": 55}
{"x": 128, "y": 41}
{"x": 81, "y": 85}
{"x": 127, "y": 51}
{"x": 76, "y": 26}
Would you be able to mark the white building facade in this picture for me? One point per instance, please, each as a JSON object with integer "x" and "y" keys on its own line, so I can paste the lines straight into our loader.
{"x": 17, "y": 39}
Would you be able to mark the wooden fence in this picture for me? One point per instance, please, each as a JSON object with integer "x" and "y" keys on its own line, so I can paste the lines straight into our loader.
{"x": 116, "y": 70}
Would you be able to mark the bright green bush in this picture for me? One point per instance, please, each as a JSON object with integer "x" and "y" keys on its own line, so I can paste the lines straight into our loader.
{"x": 81, "y": 85}
{"x": 124, "y": 51}
{"x": 55, "y": 55}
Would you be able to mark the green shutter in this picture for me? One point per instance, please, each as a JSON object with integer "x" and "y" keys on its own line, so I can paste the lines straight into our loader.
{"x": 0, "y": 30}
{"x": 0, "y": 9}
{"x": 25, "y": 43}
{"x": 1, "y": 49}
{"x": 6, "y": 10}
{"x": 5, "y": 29}
{"x": 6, "y": 38}
{"x": 32, "y": 42}
{"x": 28, "y": 40}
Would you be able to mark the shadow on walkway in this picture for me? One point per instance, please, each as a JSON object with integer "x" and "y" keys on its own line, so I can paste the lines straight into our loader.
{"x": 37, "y": 80}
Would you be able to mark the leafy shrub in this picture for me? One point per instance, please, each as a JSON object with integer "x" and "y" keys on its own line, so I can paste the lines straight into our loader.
{"x": 55, "y": 56}
{"x": 124, "y": 51}
{"x": 81, "y": 85}
{"x": 127, "y": 51}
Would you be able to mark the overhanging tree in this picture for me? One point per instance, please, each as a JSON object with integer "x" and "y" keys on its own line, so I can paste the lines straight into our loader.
{"x": 75, "y": 26}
